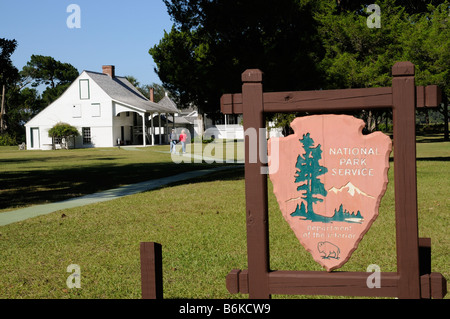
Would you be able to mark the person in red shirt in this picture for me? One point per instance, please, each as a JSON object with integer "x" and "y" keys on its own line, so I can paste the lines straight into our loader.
{"x": 183, "y": 138}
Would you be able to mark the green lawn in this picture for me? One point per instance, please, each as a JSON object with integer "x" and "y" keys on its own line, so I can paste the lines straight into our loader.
{"x": 36, "y": 177}
{"x": 200, "y": 224}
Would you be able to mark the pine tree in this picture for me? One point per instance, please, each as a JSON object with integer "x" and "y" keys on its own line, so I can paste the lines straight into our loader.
{"x": 308, "y": 172}
{"x": 339, "y": 214}
{"x": 300, "y": 211}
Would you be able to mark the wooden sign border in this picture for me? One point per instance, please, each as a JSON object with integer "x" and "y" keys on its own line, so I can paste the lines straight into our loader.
{"x": 413, "y": 278}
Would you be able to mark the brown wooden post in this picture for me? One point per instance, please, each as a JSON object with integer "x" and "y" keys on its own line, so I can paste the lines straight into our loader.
{"x": 151, "y": 270}
{"x": 255, "y": 187}
{"x": 403, "y": 100}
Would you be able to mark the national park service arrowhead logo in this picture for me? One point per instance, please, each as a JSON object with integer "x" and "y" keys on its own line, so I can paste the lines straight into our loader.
{"x": 329, "y": 181}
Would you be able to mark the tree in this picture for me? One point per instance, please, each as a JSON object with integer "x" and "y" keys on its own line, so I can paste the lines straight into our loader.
{"x": 63, "y": 131}
{"x": 213, "y": 42}
{"x": 22, "y": 101}
{"x": 180, "y": 69}
{"x": 283, "y": 121}
{"x": 8, "y": 75}
{"x": 411, "y": 6}
{"x": 299, "y": 45}
{"x": 158, "y": 90}
{"x": 57, "y": 76}
{"x": 24, "y": 104}
{"x": 308, "y": 172}
{"x": 358, "y": 56}
{"x": 46, "y": 70}
{"x": 427, "y": 45}
{"x": 132, "y": 80}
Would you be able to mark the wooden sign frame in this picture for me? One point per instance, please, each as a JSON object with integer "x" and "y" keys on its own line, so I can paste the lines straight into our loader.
{"x": 413, "y": 278}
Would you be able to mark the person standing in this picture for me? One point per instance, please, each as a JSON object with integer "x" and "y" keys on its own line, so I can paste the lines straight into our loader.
{"x": 183, "y": 138}
{"x": 173, "y": 141}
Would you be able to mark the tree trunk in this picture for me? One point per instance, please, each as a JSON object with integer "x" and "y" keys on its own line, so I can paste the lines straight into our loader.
{"x": 2, "y": 111}
{"x": 200, "y": 124}
{"x": 445, "y": 100}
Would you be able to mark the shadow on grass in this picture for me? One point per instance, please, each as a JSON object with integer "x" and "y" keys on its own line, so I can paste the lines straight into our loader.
{"x": 430, "y": 138}
{"x": 434, "y": 159}
{"x": 232, "y": 174}
{"x": 24, "y": 188}
{"x": 33, "y": 160}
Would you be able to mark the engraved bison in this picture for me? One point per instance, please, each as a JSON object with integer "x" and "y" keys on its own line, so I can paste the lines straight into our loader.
{"x": 328, "y": 250}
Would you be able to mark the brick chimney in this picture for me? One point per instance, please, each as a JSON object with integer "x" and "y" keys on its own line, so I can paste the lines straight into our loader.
{"x": 109, "y": 70}
{"x": 152, "y": 94}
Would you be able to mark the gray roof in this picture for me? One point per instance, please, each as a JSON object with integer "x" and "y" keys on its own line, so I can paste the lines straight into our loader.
{"x": 180, "y": 120}
{"x": 121, "y": 90}
{"x": 166, "y": 101}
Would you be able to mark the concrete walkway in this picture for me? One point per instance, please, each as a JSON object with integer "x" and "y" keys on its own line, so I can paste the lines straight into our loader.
{"x": 34, "y": 211}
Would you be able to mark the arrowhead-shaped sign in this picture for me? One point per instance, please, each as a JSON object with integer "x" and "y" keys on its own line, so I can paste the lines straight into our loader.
{"x": 329, "y": 179}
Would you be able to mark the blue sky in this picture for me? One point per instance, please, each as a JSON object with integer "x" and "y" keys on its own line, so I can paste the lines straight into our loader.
{"x": 112, "y": 32}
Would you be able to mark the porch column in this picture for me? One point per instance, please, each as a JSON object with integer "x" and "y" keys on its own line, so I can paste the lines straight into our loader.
{"x": 144, "y": 135}
{"x": 153, "y": 131}
{"x": 159, "y": 121}
{"x": 166, "y": 131}
{"x": 226, "y": 130}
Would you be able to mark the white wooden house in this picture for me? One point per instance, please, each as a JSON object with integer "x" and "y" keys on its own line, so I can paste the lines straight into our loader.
{"x": 107, "y": 110}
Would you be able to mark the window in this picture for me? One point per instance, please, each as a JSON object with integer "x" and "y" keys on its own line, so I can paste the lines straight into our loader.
{"x": 84, "y": 89}
{"x": 96, "y": 111}
{"x": 76, "y": 110}
{"x": 86, "y": 135}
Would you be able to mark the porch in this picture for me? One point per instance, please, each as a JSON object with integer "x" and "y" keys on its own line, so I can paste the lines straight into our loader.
{"x": 141, "y": 128}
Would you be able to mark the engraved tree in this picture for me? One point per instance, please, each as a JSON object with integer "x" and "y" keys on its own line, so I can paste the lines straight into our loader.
{"x": 308, "y": 172}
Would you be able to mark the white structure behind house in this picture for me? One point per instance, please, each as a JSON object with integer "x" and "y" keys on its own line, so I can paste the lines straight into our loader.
{"x": 203, "y": 126}
{"x": 225, "y": 131}
{"x": 236, "y": 131}
{"x": 107, "y": 110}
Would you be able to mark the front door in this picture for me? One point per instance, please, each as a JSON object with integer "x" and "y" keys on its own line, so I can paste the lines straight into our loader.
{"x": 35, "y": 137}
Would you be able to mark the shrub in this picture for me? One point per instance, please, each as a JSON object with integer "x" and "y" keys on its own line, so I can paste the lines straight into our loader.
{"x": 199, "y": 139}
{"x": 63, "y": 131}
{"x": 382, "y": 127}
{"x": 7, "y": 140}
{"x": 430, "y": 128}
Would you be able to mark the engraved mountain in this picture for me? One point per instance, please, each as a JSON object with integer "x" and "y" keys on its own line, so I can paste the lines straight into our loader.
{"x": 334, "y": 210}
{"x": 349, "y": 188}
{"x": 349, "y": 199}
